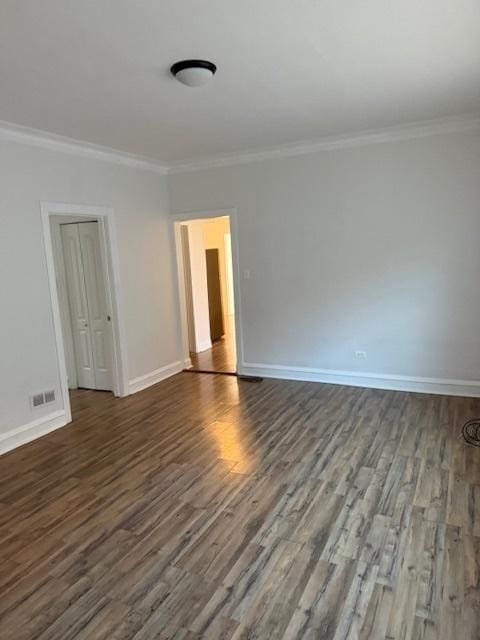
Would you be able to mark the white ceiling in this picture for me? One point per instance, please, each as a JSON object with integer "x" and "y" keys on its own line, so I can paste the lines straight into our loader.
{"x": 288, "y": 70}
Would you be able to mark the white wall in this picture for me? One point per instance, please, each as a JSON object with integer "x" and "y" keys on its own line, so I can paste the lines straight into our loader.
{"x": 185, "y": 278}
{"x": 29, "y": 175}
{"x": 214, "y": 231}
{"x": 372, "y": 248}
{"x": 199, "y": 287}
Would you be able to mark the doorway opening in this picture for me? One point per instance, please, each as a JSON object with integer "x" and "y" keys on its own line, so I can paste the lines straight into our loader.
{"x": 207, "y": 299}
{"x": 79, "y": 245}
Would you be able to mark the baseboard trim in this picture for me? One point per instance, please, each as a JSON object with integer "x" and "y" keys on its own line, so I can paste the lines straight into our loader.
{"x": 32, "y": 430}
{"x": 149, "y": 379}
{"x": 442, "y": 386}
{"x": 204, "y": 346}
{"x": 187, "y": 363}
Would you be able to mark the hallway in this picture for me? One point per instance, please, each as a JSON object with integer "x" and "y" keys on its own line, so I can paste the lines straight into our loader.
{"x": 222, "y": 356}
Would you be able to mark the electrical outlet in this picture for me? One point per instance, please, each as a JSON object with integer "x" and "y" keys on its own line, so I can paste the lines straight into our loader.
{"x": 361, "y": 355}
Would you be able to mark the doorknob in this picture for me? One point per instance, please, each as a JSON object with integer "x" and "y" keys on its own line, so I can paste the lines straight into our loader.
{"x": 86, "y": 324}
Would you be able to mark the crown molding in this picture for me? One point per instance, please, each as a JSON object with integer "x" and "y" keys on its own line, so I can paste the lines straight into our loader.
{"x": 364, "y": 138}
{"x": 53, "y": 142}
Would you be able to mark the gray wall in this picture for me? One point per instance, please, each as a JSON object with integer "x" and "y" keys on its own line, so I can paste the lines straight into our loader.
{"x": 28, "y": 361}
{"x": 372, "y": 248}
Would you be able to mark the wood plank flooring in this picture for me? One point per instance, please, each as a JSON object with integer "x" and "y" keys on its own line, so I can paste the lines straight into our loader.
{"x": 222, "y": 356}
{"x": 208, "y": 507}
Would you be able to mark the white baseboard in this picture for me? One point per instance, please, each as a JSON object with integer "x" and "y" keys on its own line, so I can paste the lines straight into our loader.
{"x": 32, "y": 430}
{"x": 443, "y": 386}
{"x": 187, "y": 363}
{"x": 142, "y": 382}
{"x": 203, "y": 346}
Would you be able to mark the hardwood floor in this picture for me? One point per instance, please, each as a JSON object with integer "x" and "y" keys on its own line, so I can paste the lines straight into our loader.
{"x": 222, "y": 357}
{"x": 208, "y": 507}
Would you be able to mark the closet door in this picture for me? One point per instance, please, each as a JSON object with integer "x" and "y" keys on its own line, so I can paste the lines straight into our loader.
{"x": 98, "y": 313}
{"x": 77, "y": 299}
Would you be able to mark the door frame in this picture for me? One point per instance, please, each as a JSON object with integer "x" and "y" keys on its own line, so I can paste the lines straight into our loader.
{"x": 176, "y": 220}
{"x": 108, "y": 243}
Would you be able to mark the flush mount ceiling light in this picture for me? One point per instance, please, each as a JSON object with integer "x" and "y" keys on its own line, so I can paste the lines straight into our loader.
{"x": 193, "y": 73}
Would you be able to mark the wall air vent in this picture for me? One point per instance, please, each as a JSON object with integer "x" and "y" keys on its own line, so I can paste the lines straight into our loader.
{"x": 37, "y": 400}
{"x": 49, "y": 396}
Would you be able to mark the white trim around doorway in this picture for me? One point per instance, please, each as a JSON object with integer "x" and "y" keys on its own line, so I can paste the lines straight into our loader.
{"x": 106, "y": 220}
{"x": 184, "y": 216}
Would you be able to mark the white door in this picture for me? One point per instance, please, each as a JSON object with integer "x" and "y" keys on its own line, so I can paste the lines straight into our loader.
{"x": 99, "y": 318}
{"x": 86, "y": 286}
